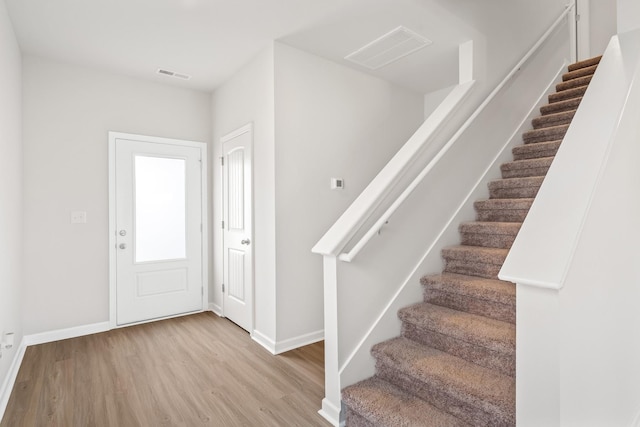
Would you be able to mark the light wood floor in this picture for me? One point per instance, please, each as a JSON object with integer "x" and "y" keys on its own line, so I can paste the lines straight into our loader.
{"x": 189, "y": 371}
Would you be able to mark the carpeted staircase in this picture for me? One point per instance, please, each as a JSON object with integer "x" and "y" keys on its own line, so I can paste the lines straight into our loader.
{"x": 454, "y": 364}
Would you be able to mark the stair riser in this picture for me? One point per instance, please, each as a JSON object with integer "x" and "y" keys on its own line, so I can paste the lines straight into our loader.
{"x": 581, "y": 72}
{"x": 480, "y": 269}
{"x": 546, "y": 121}
{"x": 567, "y": 94}
{"x": 525, "y": 172}
{"x": 356, "y": 420}
{"x": 503, "y": 363}
{"x": 502, "y": 241}
{"x": 502, "y": 215}
{"x": 585, "y": 63}
{"x": 543, "y": 135}
{"x": 514, "y": 193}
{"x": 490, "y": 309}
{"x": 581, "y": 81}
{"x": 443, "y": 400}
{"x": 560, "y": 106}
{"x": 534, "y": 152}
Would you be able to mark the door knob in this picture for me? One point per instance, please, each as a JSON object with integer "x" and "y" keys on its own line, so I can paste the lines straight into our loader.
{"x": 245, "y": 241}
{"x": 122, "y": 246}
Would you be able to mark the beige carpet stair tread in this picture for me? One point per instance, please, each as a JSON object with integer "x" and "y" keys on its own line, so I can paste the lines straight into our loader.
{"x": 585, "y": 63}
{"x": 554, "y": 119}
{"x": 536, "y": 150}
{"x": 387, "y": 405}
{"x": 570, "y": 84}
{"x": 489, "y": 234}
{"x": 477, "y": 287}
{"x": 475, "y": 254}
{"x": 580, "y": 72}
{"x": 478, "y": 330}
{"x": 560, "y": 106}
{"x": 478, "y": 388}
{"x": 567, "y": 94}
{"x": 551, "y": 133}
{"x": 482, "y": 227}
{"x": 526, "y": 168}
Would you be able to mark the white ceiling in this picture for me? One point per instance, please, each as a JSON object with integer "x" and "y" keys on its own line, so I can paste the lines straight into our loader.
{"x": 211, "y": 39}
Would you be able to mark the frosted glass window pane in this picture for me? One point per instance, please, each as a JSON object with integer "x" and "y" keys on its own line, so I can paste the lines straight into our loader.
{"x": 160, "y": 209}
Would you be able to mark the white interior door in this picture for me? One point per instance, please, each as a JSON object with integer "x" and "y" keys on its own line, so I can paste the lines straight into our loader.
{"x": 238, "y": 227}
{"x": 156, "y": 227}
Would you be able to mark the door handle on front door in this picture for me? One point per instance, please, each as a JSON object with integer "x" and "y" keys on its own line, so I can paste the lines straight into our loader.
{"x": 245, "y": 242}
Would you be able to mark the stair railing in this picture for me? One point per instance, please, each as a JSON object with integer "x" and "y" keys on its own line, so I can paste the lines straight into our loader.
{"x": 369, "y": 203}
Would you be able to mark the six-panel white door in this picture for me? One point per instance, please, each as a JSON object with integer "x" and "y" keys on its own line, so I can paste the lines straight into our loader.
{"x": 158, "y": 229}
{"x": 237, "y": 217}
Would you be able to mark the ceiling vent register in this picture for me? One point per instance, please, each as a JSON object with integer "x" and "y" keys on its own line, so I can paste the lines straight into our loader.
{"x": 389, "y": 48}
{"x": 169, "y": 73}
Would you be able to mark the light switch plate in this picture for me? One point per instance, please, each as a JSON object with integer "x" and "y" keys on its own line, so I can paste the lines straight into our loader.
{"x": 78, "y": 217}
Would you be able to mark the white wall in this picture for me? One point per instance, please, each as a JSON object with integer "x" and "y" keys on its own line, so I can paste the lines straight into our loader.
{"x": 331, "y": 121}
{"x": 248, "y": 97}
{"x": 628, "y": 15}
{"x": 68, "y": 111}
{"x": 10, "y": 191}
{"x": 603, "y": 25}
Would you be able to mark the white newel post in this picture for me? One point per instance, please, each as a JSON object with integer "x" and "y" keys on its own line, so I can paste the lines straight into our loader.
{"x": 331, "y": 402}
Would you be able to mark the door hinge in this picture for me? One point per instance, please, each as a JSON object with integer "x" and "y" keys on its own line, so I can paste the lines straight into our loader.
{"x": 222, "y": 224}
{"x": 201, "y": 227}
{"x": 222, "y": 161}
{"x": 223, "y": 288}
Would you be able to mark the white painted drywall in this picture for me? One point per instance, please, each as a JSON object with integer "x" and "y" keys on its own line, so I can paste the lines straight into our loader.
{"x": 331, "y": 121}
{"x": 628, "y": 15}
{"x": 10, "y": 191}
{"x": 603, "y": 24}
{"x": 248, "y": 98}
{"x": 433, "y": 99}
{"x": 68, "y": 111}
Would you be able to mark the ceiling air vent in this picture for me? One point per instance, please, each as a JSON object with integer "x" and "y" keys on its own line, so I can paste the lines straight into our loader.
{"x": 173, "y": 74}
{"x": 389, "y": 48}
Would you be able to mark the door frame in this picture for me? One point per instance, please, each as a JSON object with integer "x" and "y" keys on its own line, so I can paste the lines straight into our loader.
{"x": 248, "y": 128}
{"x": 113, "y": 136}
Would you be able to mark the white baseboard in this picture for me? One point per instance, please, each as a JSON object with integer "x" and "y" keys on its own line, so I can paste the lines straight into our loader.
{"x": 278, "y": 347}
{"x": 300, "y": 341}
{"x": 63, "y": 334}
{"x": 330, "y": 412}
{"x": 215, "y": 308}
{"x": 10, "y": 379}
{"x": 264, "y": 341}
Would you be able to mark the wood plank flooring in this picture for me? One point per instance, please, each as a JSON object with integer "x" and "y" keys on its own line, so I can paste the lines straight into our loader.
{"x": 188, "y": 371}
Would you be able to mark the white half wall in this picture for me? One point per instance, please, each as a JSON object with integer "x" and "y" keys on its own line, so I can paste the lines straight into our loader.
{"x": 10, "y": 195}
{"x": 68, "y": 111}
{"x": 331, "y": 121}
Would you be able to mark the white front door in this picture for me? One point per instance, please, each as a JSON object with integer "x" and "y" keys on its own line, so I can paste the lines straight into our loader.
{"x": 238, "y": 226}
{"x": 156, "y": 226}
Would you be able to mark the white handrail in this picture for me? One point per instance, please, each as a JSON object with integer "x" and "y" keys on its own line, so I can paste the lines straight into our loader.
{"x": 348, "y": 257}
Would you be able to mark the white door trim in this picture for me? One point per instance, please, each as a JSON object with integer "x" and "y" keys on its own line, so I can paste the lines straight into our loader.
{"x": 113, "y": 136}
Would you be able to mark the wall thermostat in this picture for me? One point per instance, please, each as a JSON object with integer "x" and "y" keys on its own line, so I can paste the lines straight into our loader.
{"x": 337, "y": 183}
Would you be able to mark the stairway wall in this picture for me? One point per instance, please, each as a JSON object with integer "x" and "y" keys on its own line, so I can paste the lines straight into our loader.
{"x": 430, "y": 217}
{"x": 10, "y": 194}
